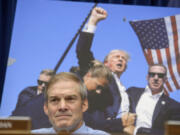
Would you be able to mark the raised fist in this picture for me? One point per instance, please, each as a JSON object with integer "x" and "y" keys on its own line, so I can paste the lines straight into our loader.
{"x": 97, "y": 14}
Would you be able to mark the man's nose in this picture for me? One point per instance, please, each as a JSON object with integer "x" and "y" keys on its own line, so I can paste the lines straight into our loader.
{"x": 120, "y": 58}
{"x": 156, "y": 76}
{"x": 62, "y": 105}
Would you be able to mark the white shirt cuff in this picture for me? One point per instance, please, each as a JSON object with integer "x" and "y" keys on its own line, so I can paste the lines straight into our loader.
{"x": 89, "y": 28}
{"x": 135, "y": 130}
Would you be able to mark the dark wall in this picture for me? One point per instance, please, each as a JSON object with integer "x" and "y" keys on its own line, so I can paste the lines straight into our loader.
{"x": 7, "y": 12}
{"x": 163, "y": 3}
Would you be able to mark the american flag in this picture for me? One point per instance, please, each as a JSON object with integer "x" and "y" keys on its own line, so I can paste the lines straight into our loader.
{"x": 160, "y": 41}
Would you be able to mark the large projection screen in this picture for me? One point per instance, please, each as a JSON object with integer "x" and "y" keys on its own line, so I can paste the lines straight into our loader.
{"x": 43, "y": 30}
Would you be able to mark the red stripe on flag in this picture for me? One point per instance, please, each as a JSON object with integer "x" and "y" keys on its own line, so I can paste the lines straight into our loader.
{"x": 168, "y": 56}
{"x": 168, "y": 86}
{"x": 148, "y": 56}
{"x": 166, "y": 92}
{"x": 175, "y": 36}
{"x": 159, "y": 56}
{"x": 160, "y": 61}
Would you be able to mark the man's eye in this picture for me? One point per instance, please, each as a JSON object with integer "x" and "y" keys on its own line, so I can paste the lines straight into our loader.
{"x": 54, "y": 100}
{"x": 70, "y": 99}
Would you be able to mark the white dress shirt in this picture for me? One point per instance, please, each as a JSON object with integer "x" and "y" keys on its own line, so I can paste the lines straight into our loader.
{"x": 83, "y": 130}
{"x": 145, "y": 109}
{"x": 89, "y": 28}
{"x": 39, "y": 92}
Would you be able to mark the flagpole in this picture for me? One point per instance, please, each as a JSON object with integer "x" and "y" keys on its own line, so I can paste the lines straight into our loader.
{"x": 73, "y": 39}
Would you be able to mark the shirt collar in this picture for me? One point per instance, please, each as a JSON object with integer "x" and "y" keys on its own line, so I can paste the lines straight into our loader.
{"x": 148, "y": 91}
{"x": 115, "y": 77}
{"x": 121, "y": 87}
{"x": 79, "y": 130}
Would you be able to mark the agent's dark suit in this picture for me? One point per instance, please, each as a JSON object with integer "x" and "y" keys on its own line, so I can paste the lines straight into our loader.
{"x": 85, "y": 56}
{"x": 25, "y": 95}
{"x": 34, "y": 109}
{"x": 165, "y": 109}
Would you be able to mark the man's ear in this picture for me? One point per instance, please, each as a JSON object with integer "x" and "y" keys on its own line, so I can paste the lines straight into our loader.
{"x": 85, "y": 105}
{"x": 165, "y": 78}
{"x": 45, "y": 109}
{"x": 106, "y": 63}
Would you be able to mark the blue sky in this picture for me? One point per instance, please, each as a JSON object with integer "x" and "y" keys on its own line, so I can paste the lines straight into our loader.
{"x": 43, "y": 30}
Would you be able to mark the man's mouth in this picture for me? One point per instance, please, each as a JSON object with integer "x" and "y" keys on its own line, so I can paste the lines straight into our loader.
{"x": 119, "y": 65}
{"x": 63, "y": 116}
{"x": 156, "y": 84}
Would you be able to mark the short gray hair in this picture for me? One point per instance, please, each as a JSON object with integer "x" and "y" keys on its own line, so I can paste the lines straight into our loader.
{"x": 67, "y": 76}
{"x": 157, "y": 64}
{"x": 117, "y": 50}
{"x": 47, "y": 72}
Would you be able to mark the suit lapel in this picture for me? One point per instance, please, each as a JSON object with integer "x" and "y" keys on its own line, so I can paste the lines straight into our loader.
{"x": 112, "y": 110}
{"x": 160, "y": 106}
{"x": 138, "y": 95}
{"x": 115, "y": 85}
{"x": 117, "y": 93}
{"x": 135, "y": 99}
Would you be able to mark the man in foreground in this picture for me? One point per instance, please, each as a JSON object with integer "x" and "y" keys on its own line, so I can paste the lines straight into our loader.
{"x": 65, "y": 103}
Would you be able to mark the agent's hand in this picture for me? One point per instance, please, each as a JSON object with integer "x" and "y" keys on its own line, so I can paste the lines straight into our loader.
{"x": 129, "y": 130}
{"x": 97, "y": 14}
{"x": 128, "y": 119}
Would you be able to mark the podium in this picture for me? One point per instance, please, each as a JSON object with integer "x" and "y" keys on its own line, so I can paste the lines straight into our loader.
{"x": 15, "y": 125}
{"x": 22, "y": 126}
{"x": 172, "y": 128}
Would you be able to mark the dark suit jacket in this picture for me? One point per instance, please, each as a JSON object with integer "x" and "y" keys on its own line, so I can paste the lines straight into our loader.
{"x": 85, "y": 56}
{"x": 25, "y": 95}
{"x": 34, "y": 110}
{"x": 165, "y": 109}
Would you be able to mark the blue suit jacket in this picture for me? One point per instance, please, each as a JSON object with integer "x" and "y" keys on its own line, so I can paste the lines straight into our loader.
{"x": 165, "y": 109}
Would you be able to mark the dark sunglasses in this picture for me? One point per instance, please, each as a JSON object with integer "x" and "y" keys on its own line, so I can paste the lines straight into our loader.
{"x": 42, "y": 82}
{"x": 160, "y": 75}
